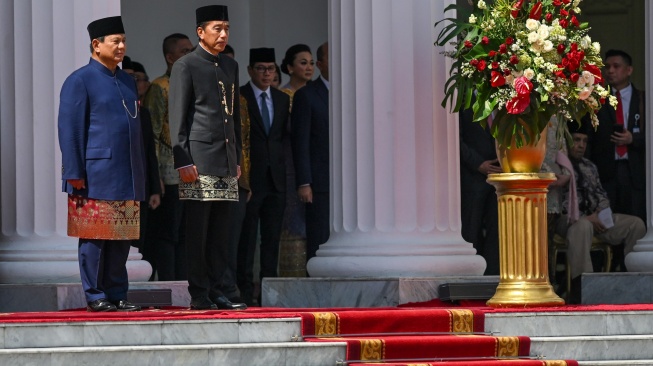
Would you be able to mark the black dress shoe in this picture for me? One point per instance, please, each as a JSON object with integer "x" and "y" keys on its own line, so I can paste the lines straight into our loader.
{"x": 224, "y": 303}
{"x": 124, "y": 305}
{"x": 202, "y": 303}
{"x": 100, "y": 305}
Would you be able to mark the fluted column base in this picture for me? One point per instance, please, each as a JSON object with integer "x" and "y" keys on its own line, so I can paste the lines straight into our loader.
{"x": 641, "y": 258}
{"x": 523, "y": 249}
{"x": 53, "y": 259}
{"x": 395, "y": 255}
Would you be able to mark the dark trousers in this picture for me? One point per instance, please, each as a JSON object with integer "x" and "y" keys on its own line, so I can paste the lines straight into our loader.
{"x": 266, "y": 206}
{"x": 480, "y": 225}
{"x": 624, "y": 197}
{"x": 164, "y": 243}
{"x": 317, "y": 223}
{"x": 237, "y": 216}
{"x": 103, "y": 268}
{"x": 207, "y": 246}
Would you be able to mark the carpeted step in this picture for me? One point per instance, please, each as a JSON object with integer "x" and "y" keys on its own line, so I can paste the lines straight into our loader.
{"x": 392, "y": 321}
{"x": 486, "y": 362}
{"x": 401, "y": 348}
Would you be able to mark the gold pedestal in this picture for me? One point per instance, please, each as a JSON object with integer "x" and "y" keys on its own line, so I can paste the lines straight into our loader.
{"x": 523, "y": 250}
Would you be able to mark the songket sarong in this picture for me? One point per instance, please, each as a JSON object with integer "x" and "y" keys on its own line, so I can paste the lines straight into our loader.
{"x": 210, "y": 188}
{"x": 90, "y": 218}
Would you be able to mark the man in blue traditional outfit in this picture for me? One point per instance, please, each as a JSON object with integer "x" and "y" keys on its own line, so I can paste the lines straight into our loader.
{"x": 103, "y": 168}
{"x": 204, "y": 104}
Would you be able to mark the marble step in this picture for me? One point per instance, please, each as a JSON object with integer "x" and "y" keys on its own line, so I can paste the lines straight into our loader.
{"x": 264, "y": 354}
{"x": 551, "y": 324}
{"x": 594, "y": 348}
{"x": 148, "y": 333}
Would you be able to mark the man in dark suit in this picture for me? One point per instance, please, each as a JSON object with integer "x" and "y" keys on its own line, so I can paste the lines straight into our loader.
{"x": 617, "y": 147}
{"x": 479, "y": 212}
{"x": 268, "y": 110}
{"x": 206, "y": 144}
{"x": 310, "y": 149}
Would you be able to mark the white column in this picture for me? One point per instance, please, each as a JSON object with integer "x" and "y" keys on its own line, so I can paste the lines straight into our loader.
{"x": 641, "y": 258}
{"x": 41, "y": 45}
{"x": 395, "y": 183}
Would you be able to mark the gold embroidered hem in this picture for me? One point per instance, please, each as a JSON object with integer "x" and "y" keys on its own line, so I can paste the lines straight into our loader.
{"x": 90, "y": 218}
{"x": 210, "y": 188}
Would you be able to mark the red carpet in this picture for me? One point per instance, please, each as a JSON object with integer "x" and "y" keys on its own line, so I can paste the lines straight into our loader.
{"x": 432, "y": 333}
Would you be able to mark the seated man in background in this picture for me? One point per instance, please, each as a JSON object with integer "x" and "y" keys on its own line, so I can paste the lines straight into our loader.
{"x": 592, "y": 199}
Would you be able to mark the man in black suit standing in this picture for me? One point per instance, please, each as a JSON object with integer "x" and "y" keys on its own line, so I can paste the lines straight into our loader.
{"x": 310, "y": 149}
{"x": 268, "y": 110}
{"x": 617, "y": 147}
{"x": 479, "y": 210}
{"x": 206, "y": 144}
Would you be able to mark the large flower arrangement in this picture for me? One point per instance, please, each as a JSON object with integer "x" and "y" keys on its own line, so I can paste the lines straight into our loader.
{"x": 527, "y": 61}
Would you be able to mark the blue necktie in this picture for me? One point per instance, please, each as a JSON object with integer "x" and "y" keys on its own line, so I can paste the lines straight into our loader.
{"x": 265, "y": 113}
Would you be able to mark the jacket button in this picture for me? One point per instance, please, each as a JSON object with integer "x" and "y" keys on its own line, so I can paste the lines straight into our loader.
{"x": 227, "y": 140}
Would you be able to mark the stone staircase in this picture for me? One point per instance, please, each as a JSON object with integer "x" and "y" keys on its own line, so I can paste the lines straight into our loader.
{"x": 592, "y": 338}
{"x": 180, "y": 342}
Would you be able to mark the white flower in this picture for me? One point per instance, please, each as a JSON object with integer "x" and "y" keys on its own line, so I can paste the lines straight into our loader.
{"x": 532, "y": 24}
{"x": 529, "y": 73}
{"x": 472, "y": 19}
{"x": 541, "y": 78}
{"x": 533, "y": 37}
{"x": 595, "y": 121}
{"x": 515, "y": 47}
{"x": 510, "y": 79}
{"x": 585, "y": 42}
{"x": 592, "y": 102}
{"x": 548, "y": 85}
{"x": 481, "y": 4}
{"x": 588, "y": 77}
{"x": 597, "y": 47}
{"x": 543, "y": 31}
{"x": 538, "y": 46}
{"x": 548, "y": 46}
{"x": 613, "y": 101}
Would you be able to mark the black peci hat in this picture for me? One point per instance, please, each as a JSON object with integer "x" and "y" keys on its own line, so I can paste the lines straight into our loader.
{"x": 261, "y": 55}
{"x": 211, "y": 12}
{"x": 576, "y": 127}
{"x": 105, "y": 26}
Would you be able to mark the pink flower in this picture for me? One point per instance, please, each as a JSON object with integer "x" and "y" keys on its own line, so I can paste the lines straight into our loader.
{"x": 523, "y": 87}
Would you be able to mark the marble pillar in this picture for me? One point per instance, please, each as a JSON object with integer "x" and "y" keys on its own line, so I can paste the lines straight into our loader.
{"x": 41, "y": 45}
{"x": 395, "y": 184}
{"x": 641, "y": 258}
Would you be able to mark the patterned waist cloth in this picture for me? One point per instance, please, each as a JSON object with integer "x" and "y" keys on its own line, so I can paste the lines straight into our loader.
{"x": 90, "y": 218}
{"x": 210, "y": 188}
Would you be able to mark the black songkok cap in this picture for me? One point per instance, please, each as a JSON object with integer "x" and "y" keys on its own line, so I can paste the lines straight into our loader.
{"x": 127, "y": 63}
{"x": 575, "y": 127}
{"x": 138, "y": 67}
{"x": 261, "y": 55}
{"x": 211, "y": 12}
{"x": 105, "y": 26}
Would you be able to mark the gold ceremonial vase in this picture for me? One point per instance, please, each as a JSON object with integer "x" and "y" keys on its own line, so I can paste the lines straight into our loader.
{"x": 526, "y": 159}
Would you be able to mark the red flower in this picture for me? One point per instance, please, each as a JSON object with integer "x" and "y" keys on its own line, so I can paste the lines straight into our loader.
{"x": 481, "y": 65}
{"x": 566, "y": 2}
{"x": 514, "y": 59}
{"x": 523, "y": 86}
{"x": 485, "y": 40}
{"x": 563, "y": 23}
{"x": 506, "y": 71}
{"x": 497, "y": 79}
{"x": 563, "y": 12}
{"x": 549, "y": 17}
{"x": 557, "y": 2}
{"x": 602, "y": 100}
{"x": 516, "y": 8}
{"x": 575, "y": 21}
{"x": 560, "y": 74}
{"x": 492, "y": 53}
{"x": 468, "y": 44}
{"x": 561, "y": 49}
{"x": 518, "y": 104}
{"x": 509, "y": 41}
{"x": 574, "y": 77}
{"x": 473, "y": 62}
{"x": 503, "y": 48}
{"x": 495, "y": 65}
{"x": 536, "y": 11}
{"x": 574, "y": 47}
